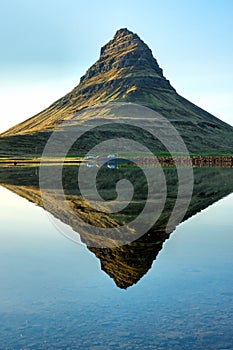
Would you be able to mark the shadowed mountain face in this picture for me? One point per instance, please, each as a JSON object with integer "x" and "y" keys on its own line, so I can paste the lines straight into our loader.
{"x": 126, "y": 71}
{"x": 128, "y": 263}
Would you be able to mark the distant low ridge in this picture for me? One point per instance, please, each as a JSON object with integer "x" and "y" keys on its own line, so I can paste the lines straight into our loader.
{"x": 126, "y": 71}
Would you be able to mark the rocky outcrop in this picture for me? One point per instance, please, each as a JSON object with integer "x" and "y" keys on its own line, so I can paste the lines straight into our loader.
{"x": 126, "y": 51}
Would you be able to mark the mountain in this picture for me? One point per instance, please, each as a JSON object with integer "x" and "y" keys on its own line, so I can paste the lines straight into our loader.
{"x": 126, "y": 264}
{"x": 126, "y": 72}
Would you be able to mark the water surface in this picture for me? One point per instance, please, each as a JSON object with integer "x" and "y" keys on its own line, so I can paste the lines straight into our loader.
{"x": 57, "y": 294}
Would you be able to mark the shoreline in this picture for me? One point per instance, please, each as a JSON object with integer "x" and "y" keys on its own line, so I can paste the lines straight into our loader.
{"x": 199, "y": 161}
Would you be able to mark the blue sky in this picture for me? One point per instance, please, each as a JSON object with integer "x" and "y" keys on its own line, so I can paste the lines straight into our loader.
{"x": 47, "y": 45}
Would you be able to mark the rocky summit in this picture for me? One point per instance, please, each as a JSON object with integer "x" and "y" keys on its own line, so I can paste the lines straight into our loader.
{"x": 126, "y": 71}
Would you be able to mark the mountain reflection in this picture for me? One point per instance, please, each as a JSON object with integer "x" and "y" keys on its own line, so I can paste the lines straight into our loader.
{"x": 126, "y": 264}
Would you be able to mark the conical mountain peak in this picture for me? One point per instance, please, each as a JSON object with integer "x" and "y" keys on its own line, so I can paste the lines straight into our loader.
{"x": 125, "y": 56}
{"x": 122, "y": 40}
{"x": 126, "y": 71}
{"x": 123, "y": 32}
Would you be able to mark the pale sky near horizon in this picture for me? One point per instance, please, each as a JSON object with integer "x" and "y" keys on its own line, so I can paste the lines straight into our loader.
{"x": 46, "y": 46}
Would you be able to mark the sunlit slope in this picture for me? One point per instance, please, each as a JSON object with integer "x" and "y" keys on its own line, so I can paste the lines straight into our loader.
{"x": 126, "y": 71}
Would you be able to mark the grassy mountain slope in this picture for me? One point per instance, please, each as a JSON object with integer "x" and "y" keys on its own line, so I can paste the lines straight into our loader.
{"x": 125, "y": 72}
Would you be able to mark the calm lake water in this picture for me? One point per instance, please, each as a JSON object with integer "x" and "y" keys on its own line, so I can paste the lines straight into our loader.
{"x": 54, "y": 294}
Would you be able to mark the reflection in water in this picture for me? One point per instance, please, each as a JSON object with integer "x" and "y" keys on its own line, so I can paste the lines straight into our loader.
{"x": 128, "y": 263}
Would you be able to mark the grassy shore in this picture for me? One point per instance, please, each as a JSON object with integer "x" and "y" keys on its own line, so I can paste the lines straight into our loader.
{"x": 164, "y": 159}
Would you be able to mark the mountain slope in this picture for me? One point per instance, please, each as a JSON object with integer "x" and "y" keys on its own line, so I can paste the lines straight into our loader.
{"x": 127, "y": 72}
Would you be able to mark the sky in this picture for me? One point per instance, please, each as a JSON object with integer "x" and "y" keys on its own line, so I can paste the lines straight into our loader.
{"x": 47, "y": 45}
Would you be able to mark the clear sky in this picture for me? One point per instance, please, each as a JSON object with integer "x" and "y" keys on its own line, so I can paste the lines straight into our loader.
{"x": 47, "y": 45}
